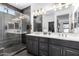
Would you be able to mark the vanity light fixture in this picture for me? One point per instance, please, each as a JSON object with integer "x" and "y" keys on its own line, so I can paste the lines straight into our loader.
{"x": 60, "y": 6}
{"x": 39, "y": 12}
{"x": 10, "y": 22}
{"x": 20, "y": 17}
{"x": 55, "y": 9}
{"x": 44, "y": 11}
{"x": 17, "y": 19}
{"x": 34, "y": 13}
{"x": 66, "y": 5}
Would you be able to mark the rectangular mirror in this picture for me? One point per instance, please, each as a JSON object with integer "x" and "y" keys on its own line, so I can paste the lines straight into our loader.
{"x": 63, "y": 23}
{"x": 37, "y": 23}
{"x": 76, "y": 22}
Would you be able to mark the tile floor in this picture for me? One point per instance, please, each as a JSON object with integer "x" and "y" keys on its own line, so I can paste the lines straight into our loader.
{"x": 16, "y": 50}
{"x": 23, "y": 53}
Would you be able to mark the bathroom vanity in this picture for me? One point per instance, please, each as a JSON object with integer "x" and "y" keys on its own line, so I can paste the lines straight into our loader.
{"x": 51, "y": 45}
{"x": 59, "y": 44}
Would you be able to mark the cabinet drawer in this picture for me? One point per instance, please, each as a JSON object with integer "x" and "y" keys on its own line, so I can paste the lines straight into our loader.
{"x": 70, "y": 52}
{"x": 43, "y": 53}
{"x": 55, "y": 50}
{"x": 56, "y": 41}
{"x": 43, "y": 46}
{"x": 43, "y": 40}
{"x": 34, "y": 38}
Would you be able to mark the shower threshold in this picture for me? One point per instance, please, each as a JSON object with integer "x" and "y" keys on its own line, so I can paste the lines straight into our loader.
{"x": 11, "y": 51}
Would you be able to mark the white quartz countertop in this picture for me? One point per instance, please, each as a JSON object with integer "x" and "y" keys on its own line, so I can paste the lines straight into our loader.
{"x": 64, "y": 37}
{"x": 15, "y": 32}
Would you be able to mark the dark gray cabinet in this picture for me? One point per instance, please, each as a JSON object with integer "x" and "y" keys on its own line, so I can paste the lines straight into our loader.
{"x": 29, "y": 44}
{"x": 43, "y": 46}
{"x": 55, "y": 50}
{"x": 35, "y": 45}
{"x": 70, "y": 52}
{"x": 51, "y": 47}
{"x": 32, "y": 45}
{"x": 43, "y": 53}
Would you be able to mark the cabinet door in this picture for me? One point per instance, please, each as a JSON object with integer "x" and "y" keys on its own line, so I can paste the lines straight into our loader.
{"x": 32, "y": 45}
{"x": 70, "y": 52}
{"x": 55, "y": 50}
{"x": 44, "y": 40}
{"x": 35, "y": 47}
{"x": 43, "y": 46}
{"x": 29, "y": 44}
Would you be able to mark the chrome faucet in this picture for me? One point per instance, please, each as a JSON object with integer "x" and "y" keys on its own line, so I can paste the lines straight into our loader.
{"x": 61, "y": 34}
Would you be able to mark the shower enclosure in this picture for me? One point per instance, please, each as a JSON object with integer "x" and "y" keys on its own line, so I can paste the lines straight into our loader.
{"x": 8, "y": 40}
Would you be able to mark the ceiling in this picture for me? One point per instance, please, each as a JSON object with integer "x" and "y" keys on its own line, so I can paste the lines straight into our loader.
{"x": 20, "y": 5}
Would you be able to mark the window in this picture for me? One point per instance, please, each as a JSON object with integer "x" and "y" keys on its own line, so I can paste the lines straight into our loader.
{"x": 3, "y": 9}
{"x": 7, "y": 10}
{"x": 10, "y": 11}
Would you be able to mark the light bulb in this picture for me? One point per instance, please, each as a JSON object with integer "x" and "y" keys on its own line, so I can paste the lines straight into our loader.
{"x": 55, "y": 9}
{"x": 33, "y": 13}
{"x": 66, "y": 6}
{"x": 60, "y": 6}
{"x": 40, "y": 11}
{"x": 43, "y": 11}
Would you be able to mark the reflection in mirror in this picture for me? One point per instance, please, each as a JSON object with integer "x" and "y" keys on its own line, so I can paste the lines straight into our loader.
{"x": 76, "y": 22}
{"x": 16, "y": 25}
{"x": 51, "y": 26}
{"x": 38, "y": 23}
{"x": 63, "y": 23}
{"x": 10, "y": 26}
